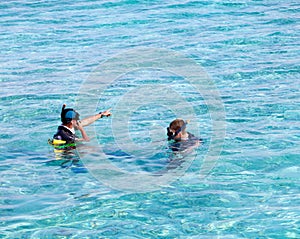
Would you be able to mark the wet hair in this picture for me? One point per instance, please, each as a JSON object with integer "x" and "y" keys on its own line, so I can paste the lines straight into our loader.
{"x": 67, "y": 115}
{"x": 177, "y": 124}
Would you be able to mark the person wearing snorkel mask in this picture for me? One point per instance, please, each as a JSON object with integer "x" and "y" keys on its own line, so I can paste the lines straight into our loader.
{"x": 71, "y": 122}
{"x": 180, "y": 139}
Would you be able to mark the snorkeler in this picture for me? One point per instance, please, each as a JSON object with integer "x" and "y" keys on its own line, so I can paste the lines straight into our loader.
{"x": 181, "y": 139}
{"x": 65, "y": 134}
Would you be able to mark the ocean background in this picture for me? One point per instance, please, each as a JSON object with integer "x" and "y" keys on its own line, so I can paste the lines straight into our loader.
{"x": 250, "y": 49}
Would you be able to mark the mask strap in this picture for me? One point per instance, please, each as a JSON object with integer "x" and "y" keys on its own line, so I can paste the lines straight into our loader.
{"x": 180, "y": 129}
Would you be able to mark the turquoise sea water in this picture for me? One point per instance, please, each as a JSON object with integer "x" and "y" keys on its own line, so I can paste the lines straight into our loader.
{"x": 250, "y": 49}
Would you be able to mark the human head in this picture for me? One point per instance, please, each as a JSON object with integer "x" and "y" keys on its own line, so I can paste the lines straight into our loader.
{"x": 67, "y": 115}
{"x": 176, "y": 128}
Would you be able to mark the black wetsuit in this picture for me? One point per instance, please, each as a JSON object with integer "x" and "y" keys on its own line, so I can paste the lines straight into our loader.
{"x": 182, "y": 145}
{"x": 65, "y": 134}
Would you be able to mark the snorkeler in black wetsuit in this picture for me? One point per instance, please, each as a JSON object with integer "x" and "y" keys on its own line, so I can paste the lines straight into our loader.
{"x": 65, "y": 135}
{"x": 66, "y": 131}
{"x": 181, "y": 139}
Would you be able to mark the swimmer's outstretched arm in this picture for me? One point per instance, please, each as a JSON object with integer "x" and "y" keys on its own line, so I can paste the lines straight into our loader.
{"x": 91, "y": 119}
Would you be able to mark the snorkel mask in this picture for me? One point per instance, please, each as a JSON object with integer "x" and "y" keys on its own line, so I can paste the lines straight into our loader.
{"x": 172, "y": 135}
{"x": 67, "y": 115}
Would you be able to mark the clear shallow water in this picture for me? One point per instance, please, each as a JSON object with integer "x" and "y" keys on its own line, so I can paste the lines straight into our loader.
{"x": 249, "y": 48}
